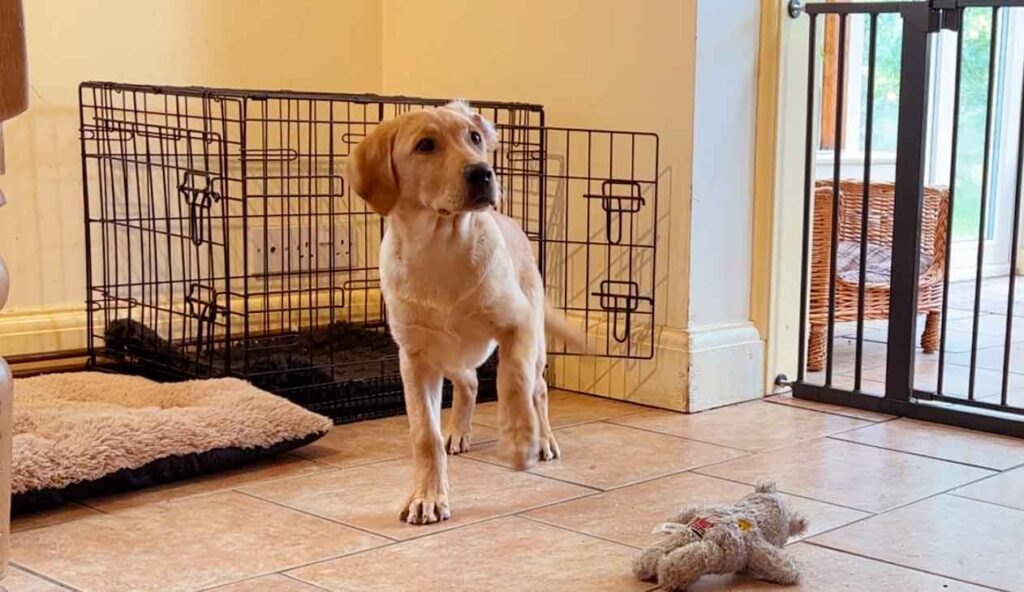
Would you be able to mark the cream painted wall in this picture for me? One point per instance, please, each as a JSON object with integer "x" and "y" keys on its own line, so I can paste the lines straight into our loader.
{"x": 601, "y": 64}
{"x": 590, "y": 63}
{"x": 301, "y": 44}
{"x": 606, "y": 64}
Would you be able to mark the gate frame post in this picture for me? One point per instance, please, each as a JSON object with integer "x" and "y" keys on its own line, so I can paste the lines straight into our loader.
{"x": 919, "y": 22}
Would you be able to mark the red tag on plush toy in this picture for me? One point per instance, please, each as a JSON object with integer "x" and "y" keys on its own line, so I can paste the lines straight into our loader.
{"x": 700, "y": 526}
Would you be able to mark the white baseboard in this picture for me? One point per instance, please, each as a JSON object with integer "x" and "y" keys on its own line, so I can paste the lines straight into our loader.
{"x": 42, "y": 330}
{"x": 691, "y": 370}
{"x": 726, "y": 365}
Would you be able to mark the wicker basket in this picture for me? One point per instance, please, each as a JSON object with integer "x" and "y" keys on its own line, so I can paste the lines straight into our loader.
{"x": 934, "y": 234}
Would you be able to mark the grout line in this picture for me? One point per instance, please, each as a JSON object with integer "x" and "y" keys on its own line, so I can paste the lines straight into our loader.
{"x": 642, "y": 480}
{"x": 81, "y": 504}
{"x": 395, "y": 544}
{"x": 917, "y": 454}
{"x": 303, "y": 582}
{"x": 652, "y": 431}
{"x": 318, "y": 516}
{"x": 832, "y": 412}
{"x": 907, "y": 567}
{"x": 796, "y": 495}
{"x": 899, "y": 507}
{"x": 354, "y": 465}
{"x": 321, "y": 470}
{"x": 283, "y": 574}
{"x": 41, "y": 576}
{"x": 982, "y": 501}
{"x": 579, "y": 532}
{"x": 428, "y": 533}
{"x": 530, "y": 472}
{"x": 1013, "y": 468}
{"x": 88, "y": 504}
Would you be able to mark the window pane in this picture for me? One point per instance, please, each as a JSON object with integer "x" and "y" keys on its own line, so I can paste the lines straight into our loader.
{"x": 971, "y": 143}
{"x": 887, "y": 83}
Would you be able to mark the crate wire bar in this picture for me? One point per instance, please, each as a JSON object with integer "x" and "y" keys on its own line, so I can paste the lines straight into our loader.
{"x": 223, "y": 240}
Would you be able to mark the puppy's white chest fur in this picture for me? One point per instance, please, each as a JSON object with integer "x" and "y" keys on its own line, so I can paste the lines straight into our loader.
{"x": 450, "y": 286}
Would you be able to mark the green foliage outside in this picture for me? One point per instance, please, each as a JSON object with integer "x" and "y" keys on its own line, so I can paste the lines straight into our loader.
{"x": 974, "y": 88}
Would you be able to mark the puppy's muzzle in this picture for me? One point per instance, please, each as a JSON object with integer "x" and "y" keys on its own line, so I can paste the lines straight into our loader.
{"x": 480, "y": 185}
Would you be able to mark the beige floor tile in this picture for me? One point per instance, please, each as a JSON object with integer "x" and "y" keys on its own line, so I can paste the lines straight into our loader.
{"x": 938, "y": 441}
{"x": 482, "y": 432}
{"x": 628, "y": 515}
{"x": 272, "y": 583}
{"x": 183, "y": 545}
{"x": 367, "y": 442}
{"x": 947, "y": 535}
{"x": 19, "y": 580}
{"x": 566, "y": 409}
{"x": 750, "y": 426}
{"x": 50, "y": 517}
{"x": 788, "y": 399}
{"x": 825, "y": 570}
{"x": 991, "y": 357}
{"x": 956, "y": 379}
{"x": 992, "y": 324}
{"x": 604, "y": 456}
{"x": 960, "y": 341}
{"x": 276, "y": 468}
{"x": 845, "y": 353}
{"x": 370, "y": 496}
{"x": 1006, "y": 489}
{"x": 844, "y": 379}
{"x": 509, "y": 554}
{"x": 361, "y": 443}
{"x": 848, "y": 474}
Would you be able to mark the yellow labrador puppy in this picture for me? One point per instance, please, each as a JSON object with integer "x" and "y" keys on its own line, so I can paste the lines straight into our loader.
{"x": 458, "y": 279}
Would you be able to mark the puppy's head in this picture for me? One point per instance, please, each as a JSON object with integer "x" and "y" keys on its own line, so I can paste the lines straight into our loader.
{"x": 435, "y": 159}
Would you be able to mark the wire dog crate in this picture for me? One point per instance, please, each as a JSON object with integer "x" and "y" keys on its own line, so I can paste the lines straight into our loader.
{"x": 223, "y": 240}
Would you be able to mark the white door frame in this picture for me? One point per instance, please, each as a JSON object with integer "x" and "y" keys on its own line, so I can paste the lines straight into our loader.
{"x": 787, "y": 236}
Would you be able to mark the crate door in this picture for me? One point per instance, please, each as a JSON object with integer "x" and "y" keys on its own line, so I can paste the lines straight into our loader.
{"x": 599, "y": 235}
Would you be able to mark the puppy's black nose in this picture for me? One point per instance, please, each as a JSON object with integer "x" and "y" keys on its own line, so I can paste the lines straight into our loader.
{"x": 478, "y": 175}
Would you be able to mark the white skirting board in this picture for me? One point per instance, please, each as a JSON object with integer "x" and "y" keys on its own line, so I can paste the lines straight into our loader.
{"x": 726, "y": 365}
{"x": 42, "y": 330}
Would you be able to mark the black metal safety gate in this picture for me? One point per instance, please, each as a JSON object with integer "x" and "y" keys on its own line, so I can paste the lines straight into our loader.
{"x": 879, "y": 238}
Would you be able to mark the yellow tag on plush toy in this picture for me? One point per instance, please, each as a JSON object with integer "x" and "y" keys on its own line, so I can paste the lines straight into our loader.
{"x": 744, "y": 524}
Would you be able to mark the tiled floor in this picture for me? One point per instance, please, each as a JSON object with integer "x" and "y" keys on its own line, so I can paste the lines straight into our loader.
{"x": 893, "y": 505}
{"x": 991, "y": 347}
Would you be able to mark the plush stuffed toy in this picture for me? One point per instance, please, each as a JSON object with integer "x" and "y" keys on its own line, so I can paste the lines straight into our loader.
{"x": 745, "y": 537}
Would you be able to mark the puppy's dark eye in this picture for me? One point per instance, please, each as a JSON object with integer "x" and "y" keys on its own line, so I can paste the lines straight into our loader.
{"x": 425, "y": 146}
{"x": 475, "y": 138}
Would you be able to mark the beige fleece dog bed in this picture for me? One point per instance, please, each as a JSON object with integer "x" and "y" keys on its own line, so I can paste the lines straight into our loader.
{"x": 84, "y": 434}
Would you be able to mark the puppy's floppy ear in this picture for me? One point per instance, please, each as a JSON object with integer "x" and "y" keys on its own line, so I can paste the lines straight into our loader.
{"x": 486, "y": 127}
{"x": 371, "y": 169}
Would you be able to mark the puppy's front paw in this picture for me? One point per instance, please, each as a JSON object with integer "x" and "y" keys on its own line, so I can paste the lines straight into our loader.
{"x": 426, "y": 509}
{"x": 549, "y": 449}
{"x": 456, "y": 442}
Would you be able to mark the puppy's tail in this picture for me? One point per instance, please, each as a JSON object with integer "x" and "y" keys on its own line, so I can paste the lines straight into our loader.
{"x": 557, "y": 325}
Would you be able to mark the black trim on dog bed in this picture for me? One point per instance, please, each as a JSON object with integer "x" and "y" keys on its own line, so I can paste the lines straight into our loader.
{"x": 158, "y": 472}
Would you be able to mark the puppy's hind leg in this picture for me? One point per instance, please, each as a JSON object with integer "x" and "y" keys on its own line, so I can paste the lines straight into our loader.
{"x": 548, "y": 446}
{"x": 458, "y": 433}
